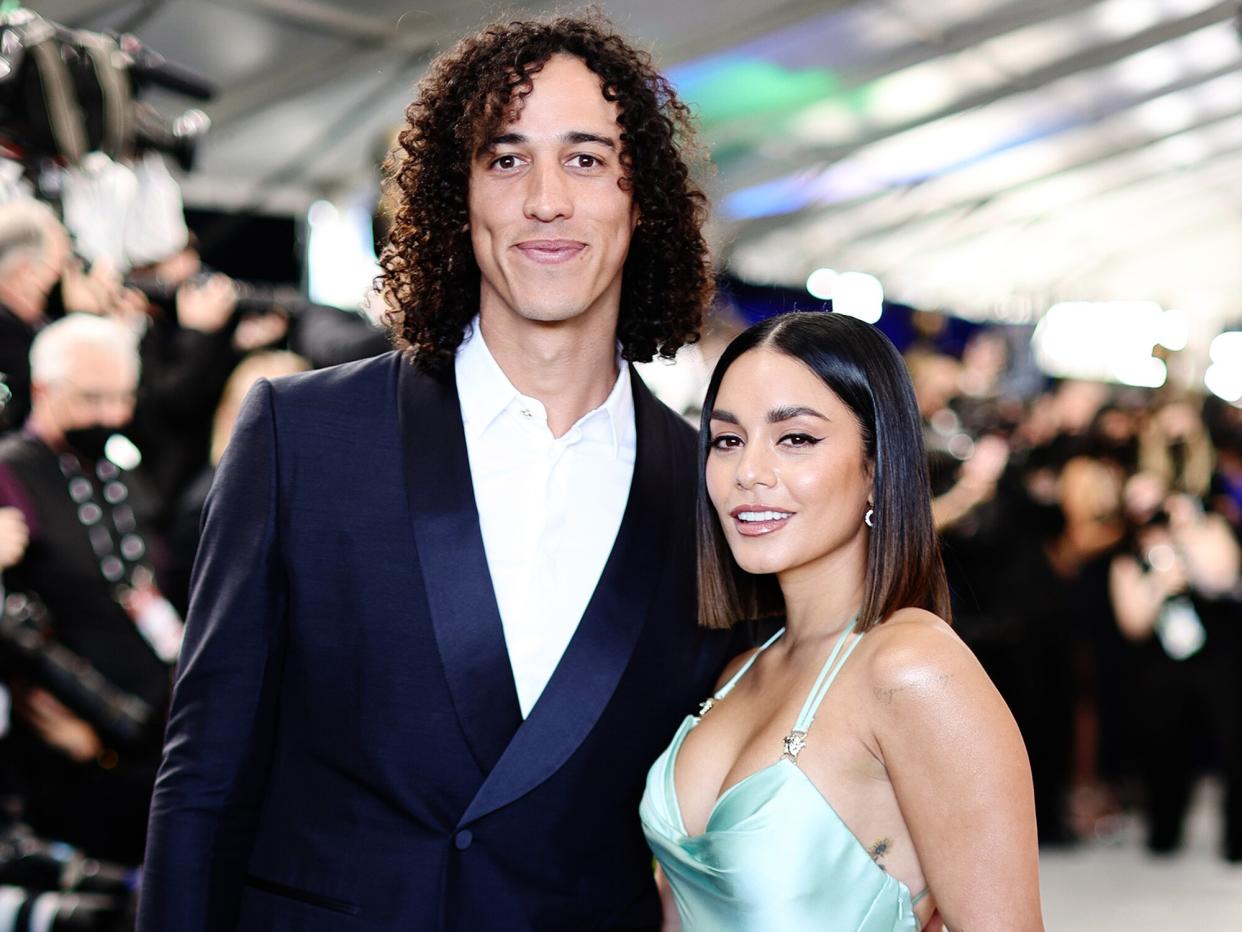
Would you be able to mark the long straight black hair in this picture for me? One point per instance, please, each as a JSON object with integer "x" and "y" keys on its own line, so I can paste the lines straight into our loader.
{"x": 859, "y": 364}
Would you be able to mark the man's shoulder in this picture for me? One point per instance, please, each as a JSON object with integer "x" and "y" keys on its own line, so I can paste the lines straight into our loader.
{"x": 361, "y": 375}
{"x": 352, "y": 390}
{"x": 23, "y": 471}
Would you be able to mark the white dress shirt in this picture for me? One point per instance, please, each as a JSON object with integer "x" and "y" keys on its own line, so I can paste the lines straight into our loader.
{"x": 549, "y": 508}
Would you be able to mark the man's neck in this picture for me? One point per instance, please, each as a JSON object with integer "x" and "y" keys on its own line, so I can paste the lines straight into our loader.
{"x": 44, "y": 430}
{"x": 569, "y": 366}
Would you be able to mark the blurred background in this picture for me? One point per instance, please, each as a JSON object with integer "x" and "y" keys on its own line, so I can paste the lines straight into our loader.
{"x": 1039, "y": 201}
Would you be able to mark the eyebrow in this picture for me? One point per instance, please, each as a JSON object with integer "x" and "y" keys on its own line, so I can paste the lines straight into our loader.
{"x": 578, "y": 138}
{"x": 572, "y": 138}
{"x": 789, "y": 412}
{"x": 775, "y": 416}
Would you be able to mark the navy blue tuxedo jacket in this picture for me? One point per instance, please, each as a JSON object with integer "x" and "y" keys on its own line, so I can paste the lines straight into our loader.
{"x": 345, "y": 749}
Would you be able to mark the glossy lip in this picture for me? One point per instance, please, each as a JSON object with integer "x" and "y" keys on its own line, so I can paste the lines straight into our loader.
{"x": 550, "y": 251}
{"x": 758, "y": 528}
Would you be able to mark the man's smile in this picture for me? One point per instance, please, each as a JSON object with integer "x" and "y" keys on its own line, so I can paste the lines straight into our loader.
{"x": 550, "y": 251}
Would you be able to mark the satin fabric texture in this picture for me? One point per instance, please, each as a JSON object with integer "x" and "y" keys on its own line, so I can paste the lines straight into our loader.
{"x": 774, "y": 853}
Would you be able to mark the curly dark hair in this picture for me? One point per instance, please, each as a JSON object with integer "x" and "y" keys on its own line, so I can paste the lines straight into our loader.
{"x": 430, "y": 281}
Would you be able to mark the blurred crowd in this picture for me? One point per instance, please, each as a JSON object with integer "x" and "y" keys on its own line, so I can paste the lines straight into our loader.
{"x": 118, "y": 392}
{"x": 1091, "y": 536}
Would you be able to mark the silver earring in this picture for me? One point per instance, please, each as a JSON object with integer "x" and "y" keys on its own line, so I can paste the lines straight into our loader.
{"x": 869, "y": 517}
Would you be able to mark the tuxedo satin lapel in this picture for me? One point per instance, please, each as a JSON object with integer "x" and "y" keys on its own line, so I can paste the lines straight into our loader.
{"x": 456, "y": 578}
{"x": 600, "y": 649}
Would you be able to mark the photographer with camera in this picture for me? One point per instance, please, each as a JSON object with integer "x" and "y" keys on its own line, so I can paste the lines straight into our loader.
{"x": 1172, "y": 597}
{"x": 198, "y": 331}
{"x": 41, "y": 279}
{"x": 84, "y": 749}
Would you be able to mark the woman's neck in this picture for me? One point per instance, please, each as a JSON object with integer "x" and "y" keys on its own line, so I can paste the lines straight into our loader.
{"x": 822, "y": 597}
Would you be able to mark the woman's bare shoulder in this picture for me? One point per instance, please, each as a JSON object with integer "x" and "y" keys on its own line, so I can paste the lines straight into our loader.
{"x": 914, "y": 654}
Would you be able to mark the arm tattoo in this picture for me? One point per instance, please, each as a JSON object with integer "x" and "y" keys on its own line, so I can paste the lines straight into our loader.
{"x": 879, "y": 850}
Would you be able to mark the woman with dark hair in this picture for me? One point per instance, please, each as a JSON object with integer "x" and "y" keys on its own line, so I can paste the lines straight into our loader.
{"x": 902, "y": 769}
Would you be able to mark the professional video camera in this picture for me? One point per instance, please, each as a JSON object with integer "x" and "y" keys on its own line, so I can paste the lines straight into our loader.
{"x": 52, "y": 887}
{"x": 66, "y": 92}
{"x": 26, "y": 650}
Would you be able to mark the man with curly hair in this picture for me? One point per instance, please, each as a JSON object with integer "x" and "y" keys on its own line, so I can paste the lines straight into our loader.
{"x": 443, "y": 614}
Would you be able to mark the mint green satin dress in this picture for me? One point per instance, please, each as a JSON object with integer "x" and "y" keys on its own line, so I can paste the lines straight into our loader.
{"x": 774, "y": 854}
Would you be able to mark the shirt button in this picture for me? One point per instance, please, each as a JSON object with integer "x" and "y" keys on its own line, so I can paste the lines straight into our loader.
{"x": 464, "y": 839}
{"x": 526, "y": 412}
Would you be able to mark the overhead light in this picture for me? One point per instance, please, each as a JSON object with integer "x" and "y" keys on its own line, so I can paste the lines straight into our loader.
{"x": 322, "y": 213}
{"x": 1117, "y": 18}
{"x": 915, "y": 91}
{"x": 1223, "y": 382}
{"x": 1141, "y": 373}
{"x": 1149, "y": 69}
{"x": 820, "y": 282}
{"x": 1226, "y": 348}
{"x": 1107, "y": 341}
{"x": 1174, "y": 329}
{"x": 1224, "y": 376}
{"x": 1170, "y": 113}
{"x": 857, "y": 294}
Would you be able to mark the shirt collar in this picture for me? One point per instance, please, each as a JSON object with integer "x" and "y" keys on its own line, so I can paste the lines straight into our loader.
{"x": 485, "y": 392}
{"x": 483, "y": 389}
{"x": 617, "y": 411}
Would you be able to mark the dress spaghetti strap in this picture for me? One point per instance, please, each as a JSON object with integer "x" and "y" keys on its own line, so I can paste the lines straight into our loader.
{"x": 826, "y": 677}
{"x": 724, "y": 690}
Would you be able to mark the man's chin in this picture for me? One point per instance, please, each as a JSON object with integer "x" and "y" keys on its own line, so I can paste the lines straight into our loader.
{"x": 549, "y": 314}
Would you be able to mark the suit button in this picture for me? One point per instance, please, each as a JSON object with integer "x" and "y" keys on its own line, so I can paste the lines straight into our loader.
{"x": 464, "y": 839}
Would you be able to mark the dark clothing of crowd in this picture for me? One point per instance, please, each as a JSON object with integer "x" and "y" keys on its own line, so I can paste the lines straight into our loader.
{"x": 100, "y": 806}
{"x": 1110, "y": 722}
{"x": 183, "y": 376}
{"x": 15, "y": 338}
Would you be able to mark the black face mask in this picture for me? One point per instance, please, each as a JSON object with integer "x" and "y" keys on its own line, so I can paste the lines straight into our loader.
{"x": 88, "y": 442}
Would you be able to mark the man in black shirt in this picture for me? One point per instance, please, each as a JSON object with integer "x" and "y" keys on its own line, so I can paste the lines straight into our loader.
{"x": 88, "y": 562}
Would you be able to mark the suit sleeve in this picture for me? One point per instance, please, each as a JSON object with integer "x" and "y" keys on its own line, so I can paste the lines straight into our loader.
{"x": 220, "y": 731}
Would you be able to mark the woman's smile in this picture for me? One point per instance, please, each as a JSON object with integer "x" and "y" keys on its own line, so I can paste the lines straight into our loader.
{"x": 758, "y": 520}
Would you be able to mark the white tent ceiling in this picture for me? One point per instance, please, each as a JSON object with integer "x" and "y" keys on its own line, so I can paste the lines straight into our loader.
{"x": 983, "y": 156}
